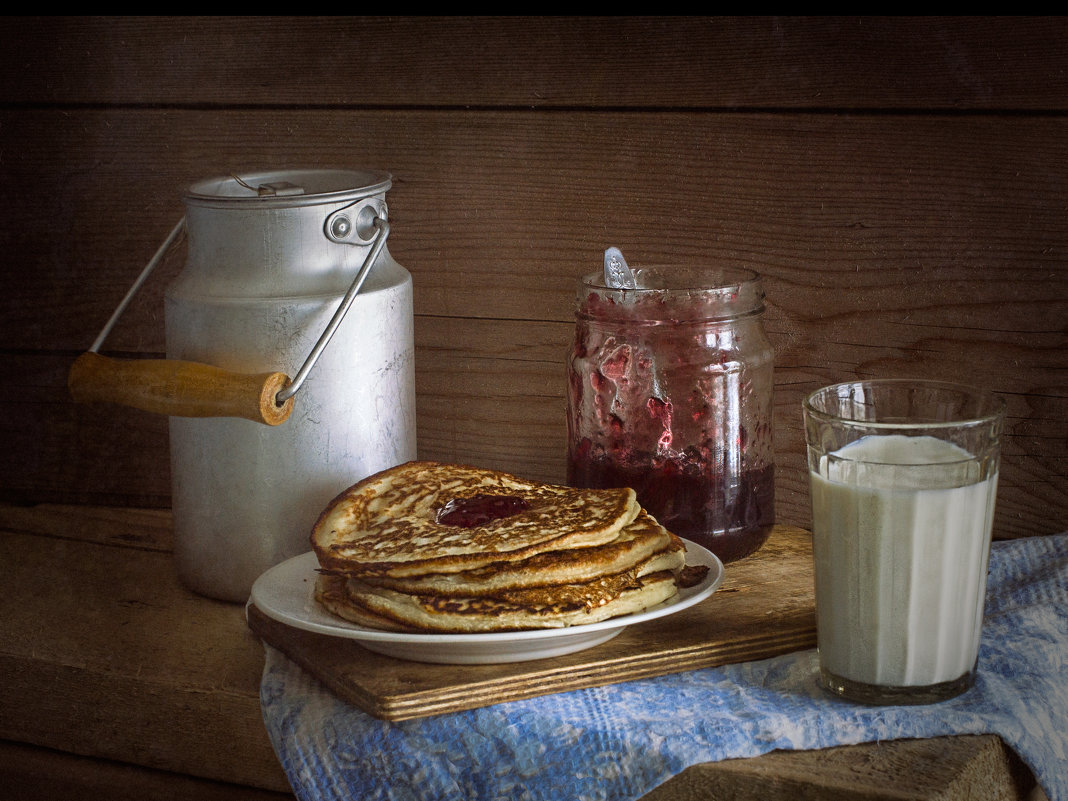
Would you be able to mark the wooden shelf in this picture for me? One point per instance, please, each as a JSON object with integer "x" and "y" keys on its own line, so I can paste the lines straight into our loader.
{"x": 106, "y": 655}
{"x": 117, "y": 677}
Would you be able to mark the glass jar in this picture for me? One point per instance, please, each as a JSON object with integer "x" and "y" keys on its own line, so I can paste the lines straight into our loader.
{"x": 669, "y": 393}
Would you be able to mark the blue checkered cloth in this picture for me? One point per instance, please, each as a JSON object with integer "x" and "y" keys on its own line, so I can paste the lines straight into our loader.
{"x": 621, "y": 741}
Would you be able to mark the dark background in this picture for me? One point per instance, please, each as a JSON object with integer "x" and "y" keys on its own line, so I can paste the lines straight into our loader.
{"x": 901, "y": 183}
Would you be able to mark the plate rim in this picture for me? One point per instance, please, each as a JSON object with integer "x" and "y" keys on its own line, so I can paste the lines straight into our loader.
{"x": 347, "y": 630}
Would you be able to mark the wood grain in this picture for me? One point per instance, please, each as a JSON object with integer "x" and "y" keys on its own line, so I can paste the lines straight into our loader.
{"x": 540, "y": 62}
{"x": 38, "y": 774}
{"x": 974, "y": 768}
{"x": 893, "y": 246}
{"x": 172, "y": 387}
{"x": 903, "y": 222}
{"x": 116, "y": 660}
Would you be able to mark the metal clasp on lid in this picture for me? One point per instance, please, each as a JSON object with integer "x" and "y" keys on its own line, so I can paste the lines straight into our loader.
{"x": 278, "y": 188}
{"x": 281, "y": 189}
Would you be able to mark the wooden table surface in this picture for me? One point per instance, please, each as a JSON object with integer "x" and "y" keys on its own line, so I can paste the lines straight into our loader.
{"x": 118, "y": 682}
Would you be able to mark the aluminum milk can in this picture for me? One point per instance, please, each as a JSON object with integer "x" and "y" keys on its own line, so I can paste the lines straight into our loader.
{"x": 271, "y": 257}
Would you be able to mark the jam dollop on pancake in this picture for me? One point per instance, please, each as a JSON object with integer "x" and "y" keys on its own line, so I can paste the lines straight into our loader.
{"x": 480, "y": 509}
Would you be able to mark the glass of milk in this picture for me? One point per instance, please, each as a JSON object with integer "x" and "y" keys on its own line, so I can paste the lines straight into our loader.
{"x": 902, "y": 476}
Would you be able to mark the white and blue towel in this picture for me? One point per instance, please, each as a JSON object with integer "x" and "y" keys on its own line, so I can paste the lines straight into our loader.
{"x": 620, "y": 741}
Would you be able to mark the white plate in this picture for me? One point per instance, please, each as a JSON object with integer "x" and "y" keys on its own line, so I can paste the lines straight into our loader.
{"x": 286, "y": 593}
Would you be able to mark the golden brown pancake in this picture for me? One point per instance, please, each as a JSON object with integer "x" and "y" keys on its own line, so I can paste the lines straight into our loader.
{"x": 388, "y": 525}
{"x": 430, "y": 547}
{"x": 533, "y": 608}
{"x": 330, "y": 593}
{"x": 635, "y": 544}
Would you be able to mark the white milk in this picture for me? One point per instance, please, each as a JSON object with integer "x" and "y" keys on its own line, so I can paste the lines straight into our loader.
{"x": 901, "y": 560}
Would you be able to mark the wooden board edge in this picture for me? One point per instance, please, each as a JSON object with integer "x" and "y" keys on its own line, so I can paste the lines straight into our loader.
{"x": 476, "y": 694}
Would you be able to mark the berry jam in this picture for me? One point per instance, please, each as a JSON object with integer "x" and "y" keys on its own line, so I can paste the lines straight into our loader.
{"x": 732, "y": 517}
{"x": 669, "y": 393}
{"x": 478, "y": 510}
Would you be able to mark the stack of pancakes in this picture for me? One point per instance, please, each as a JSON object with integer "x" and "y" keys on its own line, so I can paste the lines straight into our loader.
{"x": 436, "y": 547}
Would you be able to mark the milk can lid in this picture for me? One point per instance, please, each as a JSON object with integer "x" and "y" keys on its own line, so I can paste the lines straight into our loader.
{"x": 287, "y": 188}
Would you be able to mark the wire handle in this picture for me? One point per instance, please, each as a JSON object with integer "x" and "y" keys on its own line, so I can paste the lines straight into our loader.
{"x": 190, "y": 389}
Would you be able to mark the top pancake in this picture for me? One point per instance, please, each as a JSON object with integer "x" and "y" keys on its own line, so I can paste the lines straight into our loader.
{"x": 387, "y": 523}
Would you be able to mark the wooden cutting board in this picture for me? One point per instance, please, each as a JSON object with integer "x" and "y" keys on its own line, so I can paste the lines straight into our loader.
{"x": 763, "y": 608}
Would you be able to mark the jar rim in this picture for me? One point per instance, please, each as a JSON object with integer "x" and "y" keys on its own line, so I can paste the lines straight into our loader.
{"x": 677, "y": 292}
{"x": 680, "y": 278}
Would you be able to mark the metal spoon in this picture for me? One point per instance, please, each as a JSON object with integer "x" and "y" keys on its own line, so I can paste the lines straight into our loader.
{"x": 617, "y": 275}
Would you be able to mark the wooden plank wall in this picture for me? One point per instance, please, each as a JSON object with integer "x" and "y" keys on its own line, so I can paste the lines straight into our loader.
{"x": 901, "y": 183}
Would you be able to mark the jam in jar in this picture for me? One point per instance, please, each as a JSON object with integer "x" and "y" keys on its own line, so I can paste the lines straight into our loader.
{"x": 669, "y": 393}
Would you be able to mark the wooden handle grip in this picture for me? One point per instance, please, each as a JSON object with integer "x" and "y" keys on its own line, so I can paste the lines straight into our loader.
{"x": 182, "y": 389}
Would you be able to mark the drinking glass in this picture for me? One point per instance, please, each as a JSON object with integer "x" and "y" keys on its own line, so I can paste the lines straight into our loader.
{"x": 903, "y": 476}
